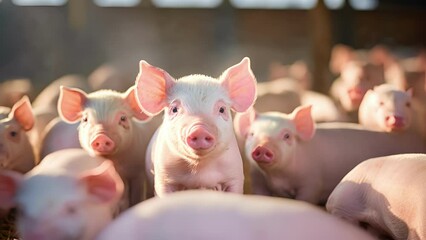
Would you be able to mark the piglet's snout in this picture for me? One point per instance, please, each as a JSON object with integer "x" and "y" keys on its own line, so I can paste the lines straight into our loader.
{"x": 200, "y": 138}
{"x": 395, "y": 122}
{"x": 262, "y": 154}
{"x": 102, "y": 143}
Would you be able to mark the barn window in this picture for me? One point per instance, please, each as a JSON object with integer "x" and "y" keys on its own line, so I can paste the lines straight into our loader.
{"x": 274, "y": 4}
{"x": 187, "y": 3}
{"x": 39, "y": 2}
{"x": 334, "y": 4}
{"x": 364, "y": 4}
{"x": 117, "y": 3}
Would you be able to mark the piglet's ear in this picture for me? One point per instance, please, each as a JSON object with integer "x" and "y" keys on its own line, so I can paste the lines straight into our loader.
{"x": 103, "y": 183}
{"x": 241, "y": 85}
{"x": 152, "y": 87}
{"x": 9, "y": 184}
{"x": 71, "y": 104}
{"x": 243, "y": 121}
{"x": 23, "y": 113}
{"x": 305, "y": 125}
{"x": 130, "y": 98}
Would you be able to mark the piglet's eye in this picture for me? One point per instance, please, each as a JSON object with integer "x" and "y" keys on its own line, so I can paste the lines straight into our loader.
{"x": 222, "y": 109}
{"x": 286, "y": 136}
{"x": 84, "y": 119}
{"x": 123, "y": 118}
{"x": 13, "y": 133}
{"x": 174, "y": 110}
{"x": 408, "y": 104}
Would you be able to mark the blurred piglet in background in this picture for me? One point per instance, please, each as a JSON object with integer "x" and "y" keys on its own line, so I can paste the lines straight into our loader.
{"x": 386, "y": 108}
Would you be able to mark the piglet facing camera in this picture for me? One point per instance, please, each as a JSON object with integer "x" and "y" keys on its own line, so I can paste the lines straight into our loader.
{"x": 195, "y": 147}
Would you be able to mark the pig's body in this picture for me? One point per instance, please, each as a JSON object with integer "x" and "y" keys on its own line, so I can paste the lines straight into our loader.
{"x": 69, "y": 195}
{"x": 309, "y": 169}
{"x": 16, "y": 151}
{"x": 14, "y": 89}
{"x": 386, "y": 193}
{"x": 285, "y": 94}
{"x": 385, "y": 108}
{"x": 48, "y": 97}
{"x": 323, "y": 107}
{"x": 108, "y": 128}
{"x": 195, "y": 147}
{"x": 207, "y": 215}
{"x": 280, "y": 95}
{"x": 58, "y": 135}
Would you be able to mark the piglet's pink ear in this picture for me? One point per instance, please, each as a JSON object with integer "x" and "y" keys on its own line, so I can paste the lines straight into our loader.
{"x": 305, "y": 125}
{"x": 241, "y": 85}
{"x": 243, "y": 121}
{"x": 152, "y": 86}
{"x": 103, "y": 183}
{"x": 130, "y": 98}
{"x": 71, "y": 104}
{"x": 9, "y": 184}
{"x": 23, "y": 113}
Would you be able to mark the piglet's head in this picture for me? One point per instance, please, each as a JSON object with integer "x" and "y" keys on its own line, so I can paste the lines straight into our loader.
{"x": 197, "y": 107}
{"x": 272, "y": 137}
{"x": 61, "y": 207}
{"x": 106, "y": 118}
{"x": 390, "y": 107}
{"x": 13, "y": 138}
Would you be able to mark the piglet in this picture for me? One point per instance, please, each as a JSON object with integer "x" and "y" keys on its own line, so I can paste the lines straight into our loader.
{"x": 385, "y": 194}
{"x": 16, "y": 151}
{"x": 195, "y": 146}
{"x": 297, "y": 159}
{"x": 208, "y": 215}
{"x": 69, "y": 195}
{"x": 111, "y": 126}
{"x": 386, "y": 108}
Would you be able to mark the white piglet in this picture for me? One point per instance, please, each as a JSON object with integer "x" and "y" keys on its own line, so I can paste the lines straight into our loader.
{"x": 111, "y": 126}
{"x": 195, "y": 147}
{"x": 386, "y": 108}
{"x": 69, "y": 195}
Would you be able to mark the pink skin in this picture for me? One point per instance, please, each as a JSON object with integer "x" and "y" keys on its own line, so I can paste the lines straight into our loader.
{"x": 16, "y": 152}
{"x": 385, "y": 108}
{"x": 110, "y": 127}
{"x": 195, "y": 146}
{"x": 199, "y": 138}
{"x": 199, "y": 215}
{"x": 297, "y": 149}
{"x": 285, "y": 94}
{"x": 375, "y": 193}
{"x": 357, "y": 76}
{"x": 58, "y": 135}
{"x": 69, "y": 195}
{"x": 355, "y": 80}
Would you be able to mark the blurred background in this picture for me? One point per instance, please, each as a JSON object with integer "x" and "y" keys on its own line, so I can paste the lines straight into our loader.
{"x": 43, "y": 40}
